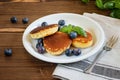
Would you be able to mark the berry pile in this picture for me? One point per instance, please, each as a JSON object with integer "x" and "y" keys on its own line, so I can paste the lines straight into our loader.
{"x": 71, "y": 52}
{"x": 40, "y": 46}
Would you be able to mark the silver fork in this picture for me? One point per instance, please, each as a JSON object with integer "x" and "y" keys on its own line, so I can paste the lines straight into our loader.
{"x": 109, "y": 45}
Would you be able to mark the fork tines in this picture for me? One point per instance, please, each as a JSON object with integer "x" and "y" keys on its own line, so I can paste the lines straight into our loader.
{"x": 112, "y": 41}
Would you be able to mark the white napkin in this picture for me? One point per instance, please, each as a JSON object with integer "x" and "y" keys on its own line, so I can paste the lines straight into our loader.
{"x": 107, "y": 68}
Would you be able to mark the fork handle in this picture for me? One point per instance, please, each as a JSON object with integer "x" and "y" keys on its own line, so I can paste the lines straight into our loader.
{"x": 91, "y": 66}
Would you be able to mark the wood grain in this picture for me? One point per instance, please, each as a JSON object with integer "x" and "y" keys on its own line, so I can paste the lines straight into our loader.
{"x": 21, "y": 65}
{"x": 23, "y": 0}
{"x": 14, "y": 30}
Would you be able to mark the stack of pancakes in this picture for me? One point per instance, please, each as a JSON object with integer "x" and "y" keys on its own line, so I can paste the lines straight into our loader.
{"x": 56, "y": 42}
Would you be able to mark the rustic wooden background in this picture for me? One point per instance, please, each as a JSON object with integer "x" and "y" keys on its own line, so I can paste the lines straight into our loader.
{"x": 21, "y": 65}
{"x": 22, "y": 0}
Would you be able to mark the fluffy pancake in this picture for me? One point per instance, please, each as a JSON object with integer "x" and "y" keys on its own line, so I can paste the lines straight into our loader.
{"x": 83, "y": 42}
{"x": 57, "y": 43}
{"x": 41, "y": 32}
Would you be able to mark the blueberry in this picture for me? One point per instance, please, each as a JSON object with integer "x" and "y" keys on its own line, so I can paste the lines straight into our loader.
{"x": 40, "y": 40}
{"x": 61, "y": 22}
{"x": 13, "y": 19}
{"x": 73, "y": 35}
{"x": 25, "y": 20}
{"x": 76, "y": 52}
{"x": 41, "y": 50}
{"x": 44, "y": 24}
{"x": 8, "y": 52}
{"x": 39, "y": 45}
{"x": 68, "y": 52}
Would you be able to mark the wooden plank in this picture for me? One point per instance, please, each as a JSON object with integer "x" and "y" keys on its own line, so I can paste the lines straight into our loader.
{"x": 11, "y": 40}
{"x": 21, "y": 58}
{"x": 22, "y": 0}
{"x": 11, "y": 30}
{"x": 27, "y": 73}
{"x": 49, "y": 8}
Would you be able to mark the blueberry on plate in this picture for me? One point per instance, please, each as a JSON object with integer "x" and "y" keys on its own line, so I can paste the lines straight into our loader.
{"x": 39, "y": 45}
{"x": 73, "y": 35}
{"x": 43, "y": 24}
{"x": 41, "y": 50}
{"x": 76, "y": 52}
{"x": 25, "y": 20}
{"x": 61, "y": 22}
{"x": 40, "y": 40}
{"x": 13, "y": 19}
{"x": 8, "y": 52}
{"x": 68, "y": 52}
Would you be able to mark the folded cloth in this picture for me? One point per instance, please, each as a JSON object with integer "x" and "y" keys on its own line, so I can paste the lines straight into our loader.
{"x": 107, "y": 68}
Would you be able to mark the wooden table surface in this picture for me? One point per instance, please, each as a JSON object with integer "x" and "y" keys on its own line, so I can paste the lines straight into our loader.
{"x": 21, "y": 65}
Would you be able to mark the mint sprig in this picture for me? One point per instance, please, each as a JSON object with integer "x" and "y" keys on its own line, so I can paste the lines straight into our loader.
{"x": 66, "y": 29}
{"x": 69, "y": 28}
{"x": 79, "y": 31}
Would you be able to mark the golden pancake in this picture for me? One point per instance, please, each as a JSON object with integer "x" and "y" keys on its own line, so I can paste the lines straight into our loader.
{"x": 83, "y": 42}
{"x": 41, "y": 32}
{"x": 57, "y": 43}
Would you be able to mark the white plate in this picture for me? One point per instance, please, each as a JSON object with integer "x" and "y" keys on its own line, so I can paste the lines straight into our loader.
{"x": 75, "y": 19}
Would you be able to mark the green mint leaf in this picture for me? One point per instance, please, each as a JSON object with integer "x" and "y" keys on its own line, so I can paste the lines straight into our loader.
{"x": 109, "y": 5}
{"x": 99, "y": 4}
{"x": 115, "y": 13}
{"x": 70, "y": 28}
{"x": 66, "y": 29}
{"x": 79, "y": 31}
{"x": 117, "y": 4}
